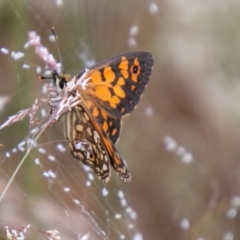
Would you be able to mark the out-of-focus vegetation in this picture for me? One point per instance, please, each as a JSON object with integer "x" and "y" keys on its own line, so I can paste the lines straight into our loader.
{"x": 193, "y": 97}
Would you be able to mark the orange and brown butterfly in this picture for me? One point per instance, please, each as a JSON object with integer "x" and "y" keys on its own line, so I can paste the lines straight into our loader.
{"x": 113, "y": 90}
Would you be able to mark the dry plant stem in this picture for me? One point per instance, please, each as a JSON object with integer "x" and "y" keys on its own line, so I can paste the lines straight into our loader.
{"x": 19, "y": 166}
{"x": 65, "y": 105}
{"x": 30, "y": 147}
{"x": 21, "y": 115}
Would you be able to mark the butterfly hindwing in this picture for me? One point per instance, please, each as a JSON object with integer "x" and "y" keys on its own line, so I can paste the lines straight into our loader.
{"x": 89, "y": 143}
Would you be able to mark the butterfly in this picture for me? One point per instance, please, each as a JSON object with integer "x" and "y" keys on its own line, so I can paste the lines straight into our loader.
{"x": 114, "y": 87}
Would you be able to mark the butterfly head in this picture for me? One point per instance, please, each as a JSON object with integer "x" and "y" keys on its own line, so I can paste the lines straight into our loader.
{"x": 59, "y": 80}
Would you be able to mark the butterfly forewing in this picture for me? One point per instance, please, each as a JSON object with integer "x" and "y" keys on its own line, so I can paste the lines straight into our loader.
{"x": 116, "y": 85}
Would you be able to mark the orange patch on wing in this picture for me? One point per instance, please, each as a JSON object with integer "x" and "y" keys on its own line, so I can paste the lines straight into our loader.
{"x": 105, "y": 126}
{"x": 95, "y": 112}
{"x": 125, "y": 73}
{"x": 117, "y": 161}
{"x": 121, "y": 81}
{"x": 123, "y": 66}
{"x": 108, "y": 144}
{"x": 134, "y": 77}
{"x": 112, "y": 104}
{"x": 104, "y": 114}
{"x": 132, "y": 87}
{"x": 108, "y": 74}
{"x": 115, "y": 99}
{"x": 103, "y": 93}
{"x": 114, "y": 131}
{"x": 119, "y": 92}
{"x": 96, "y": 77}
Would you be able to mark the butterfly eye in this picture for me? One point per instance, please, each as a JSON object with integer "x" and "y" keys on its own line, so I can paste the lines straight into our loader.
{"x": 62, "y": 83}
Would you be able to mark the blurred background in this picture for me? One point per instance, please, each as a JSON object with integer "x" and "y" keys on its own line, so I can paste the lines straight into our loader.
{"x": 181, "y": 144}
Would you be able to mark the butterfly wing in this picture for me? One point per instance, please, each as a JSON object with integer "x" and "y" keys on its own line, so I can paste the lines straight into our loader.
{"x": 116, "y": 85}
{"x": 110, "y": 124}
{"x": 89, "y": 143}
{"x": 113, "y": 90}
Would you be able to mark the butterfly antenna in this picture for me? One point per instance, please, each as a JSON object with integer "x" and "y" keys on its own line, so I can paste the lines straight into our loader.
{"x": 60, "y": 56}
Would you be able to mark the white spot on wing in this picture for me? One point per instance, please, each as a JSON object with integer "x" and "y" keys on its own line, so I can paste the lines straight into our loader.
{"x": 104, "y": 167}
